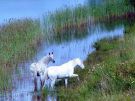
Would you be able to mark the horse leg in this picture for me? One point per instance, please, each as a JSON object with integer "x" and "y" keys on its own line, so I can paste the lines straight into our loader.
{"x": 78, "y": 78}
{"x": 52, "y": 83}
{"x": 74, "y": 75}
{"x": 66, "y": 82}
{"x": 42, "y": 83}
{"x": 35, "y": 83}
{"x": 49, "y": 83}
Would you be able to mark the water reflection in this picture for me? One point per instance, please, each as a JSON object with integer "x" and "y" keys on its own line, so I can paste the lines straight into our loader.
{"x": 36, "y": 97}
{"x": 94, "y": 2}
{"x": 69, "y": 34}
{"x": 51, "y": 97}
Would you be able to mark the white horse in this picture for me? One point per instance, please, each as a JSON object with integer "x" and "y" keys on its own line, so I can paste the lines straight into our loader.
{"x": 63, "y": 71}
{"x": 38, "y": 68}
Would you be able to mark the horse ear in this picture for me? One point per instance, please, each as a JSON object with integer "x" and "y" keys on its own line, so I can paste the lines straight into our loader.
{"x": 52, "y": 52}
{"x": 49, "y": 53}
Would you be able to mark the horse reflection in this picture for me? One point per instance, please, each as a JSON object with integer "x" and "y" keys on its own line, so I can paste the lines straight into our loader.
{"x": 39, "y": 97}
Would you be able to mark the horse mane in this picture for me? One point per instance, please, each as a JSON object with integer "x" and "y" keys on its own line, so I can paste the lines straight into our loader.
{"x": 71, "y": 61}
{"x": 44, "y": 59}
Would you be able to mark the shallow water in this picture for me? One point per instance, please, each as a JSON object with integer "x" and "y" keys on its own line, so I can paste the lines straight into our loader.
{"x": 63, "y": 52}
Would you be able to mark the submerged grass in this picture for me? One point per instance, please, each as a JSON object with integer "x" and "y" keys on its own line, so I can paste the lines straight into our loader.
{"x": 109, "y": 74}
{"x": 18, "y": 41}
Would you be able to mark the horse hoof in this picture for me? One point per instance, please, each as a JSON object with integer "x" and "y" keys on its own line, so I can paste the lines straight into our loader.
{"x": 38, "y": 74}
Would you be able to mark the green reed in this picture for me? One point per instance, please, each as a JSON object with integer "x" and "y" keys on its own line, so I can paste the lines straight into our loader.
{"x": 66, "y": 19}
{"x": 19, "y": 40}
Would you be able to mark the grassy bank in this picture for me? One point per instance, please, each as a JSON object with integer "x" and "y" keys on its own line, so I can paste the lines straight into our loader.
{"x": 109, "y": 74}
{"x": 19, "y": 40}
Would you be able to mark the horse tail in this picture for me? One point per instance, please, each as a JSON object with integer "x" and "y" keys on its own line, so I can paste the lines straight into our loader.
{"x": 32, "y": 67}
{"x": 38, "y": 74}
{"x": 47, "y": 76}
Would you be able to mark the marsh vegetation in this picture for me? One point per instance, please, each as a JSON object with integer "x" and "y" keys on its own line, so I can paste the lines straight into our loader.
{"x": 109, "y": 72}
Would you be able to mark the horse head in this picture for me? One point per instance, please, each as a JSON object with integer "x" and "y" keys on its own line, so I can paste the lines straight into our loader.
{"x": 51, "y": 57}
{"x": 80, "y": 63}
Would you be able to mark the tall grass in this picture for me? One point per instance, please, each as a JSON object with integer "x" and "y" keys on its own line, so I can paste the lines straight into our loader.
{"x": 67, "y": 19}
{"x": 18, "y": 41}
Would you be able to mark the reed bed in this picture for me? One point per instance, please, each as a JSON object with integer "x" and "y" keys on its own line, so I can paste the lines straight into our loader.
{"x": 19, "y": 41}
{"x": 83, "y": 16}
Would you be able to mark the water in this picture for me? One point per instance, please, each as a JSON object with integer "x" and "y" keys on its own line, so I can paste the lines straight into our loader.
{"x": 63, "y": 52}
{"x": 32, "y": 8}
